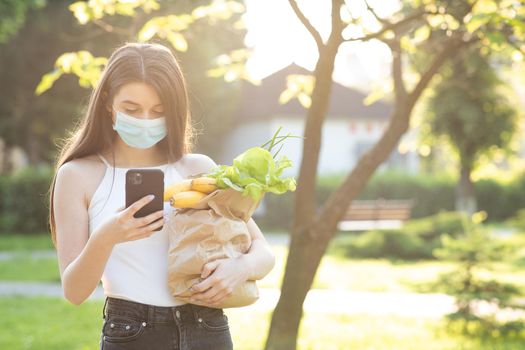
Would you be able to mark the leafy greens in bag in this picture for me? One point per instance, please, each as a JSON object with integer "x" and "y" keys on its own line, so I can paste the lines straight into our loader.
{"x": 256, "y": 171}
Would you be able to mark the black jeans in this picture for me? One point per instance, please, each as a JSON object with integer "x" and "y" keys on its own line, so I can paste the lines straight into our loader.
{"x": 132, "y": 325}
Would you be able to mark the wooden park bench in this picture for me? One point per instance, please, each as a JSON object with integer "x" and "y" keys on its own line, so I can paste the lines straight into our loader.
{"x": 363, "y": 215}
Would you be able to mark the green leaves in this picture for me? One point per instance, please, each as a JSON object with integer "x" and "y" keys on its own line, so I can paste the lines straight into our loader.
{"x": 169, "y": 28}
{"x": 276, "y": 139}
{"x": 218, "y": 10}
{"x": 299, "y": 86}
{"x": 13, "y": 15}
{"x": 475, "y": 253}
{"x": 476, "y": 21}
{"x": 498, "y": 23}
{"x": 255, "y": 171}
{"x": 470, "y": 110}
{"x": 86, "y": 11}
{"x": 80, "y": 63}
{"x": 165, "y": 27}
{"x": 48, "y": 80}
{"x": 232, "y": 66}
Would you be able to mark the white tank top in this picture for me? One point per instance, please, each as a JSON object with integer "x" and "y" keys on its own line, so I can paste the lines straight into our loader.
{"x": 136, "y": 270}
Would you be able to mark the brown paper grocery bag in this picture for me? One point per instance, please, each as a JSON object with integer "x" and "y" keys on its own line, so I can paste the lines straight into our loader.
{"x": 198, "y": 236}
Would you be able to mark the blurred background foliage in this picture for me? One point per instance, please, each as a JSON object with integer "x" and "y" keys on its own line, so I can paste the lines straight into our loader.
{"x": 37, "y": 122}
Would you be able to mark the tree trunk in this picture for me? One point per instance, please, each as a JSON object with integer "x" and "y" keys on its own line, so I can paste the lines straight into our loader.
{"x": 465, "y": 194}
{"x": 308, "y": 245}
{"x": 311, "y": 230}
{"x": 305, "y": 253}
{"x": 300, "y": 272}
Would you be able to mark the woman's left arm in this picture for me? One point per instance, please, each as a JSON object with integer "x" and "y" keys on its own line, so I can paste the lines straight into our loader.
{"x": 260, "y": 259}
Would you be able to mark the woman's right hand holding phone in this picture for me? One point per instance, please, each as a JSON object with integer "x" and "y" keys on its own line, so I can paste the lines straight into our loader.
{"x": 123, "y": 226}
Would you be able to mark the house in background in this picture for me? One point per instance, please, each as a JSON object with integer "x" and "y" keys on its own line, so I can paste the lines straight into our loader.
{"x": 349, "y": 130}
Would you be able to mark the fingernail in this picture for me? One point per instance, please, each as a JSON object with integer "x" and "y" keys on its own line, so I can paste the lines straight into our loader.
{"x": 151, "y": 196}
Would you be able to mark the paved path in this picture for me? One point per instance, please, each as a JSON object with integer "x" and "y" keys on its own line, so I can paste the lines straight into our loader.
{"x": 317, "y": 300}
{"x": 35, "y": 254}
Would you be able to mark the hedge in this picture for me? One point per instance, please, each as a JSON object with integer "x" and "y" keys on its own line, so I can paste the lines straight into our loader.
{"x": 24, "y": 198}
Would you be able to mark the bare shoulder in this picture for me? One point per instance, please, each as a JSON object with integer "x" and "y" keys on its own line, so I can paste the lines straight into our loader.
{"x": 82, "y": 164}
{"x": 195, "y": 163}
{"x": 83, "y": 174}
{"x": 71, "y": 170}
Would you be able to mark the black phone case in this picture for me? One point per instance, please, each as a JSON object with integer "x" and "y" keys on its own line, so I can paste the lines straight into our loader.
{"x": 152, "y": 183}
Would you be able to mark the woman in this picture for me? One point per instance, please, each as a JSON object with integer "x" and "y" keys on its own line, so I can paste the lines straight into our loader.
{"x": 138, "y": 116}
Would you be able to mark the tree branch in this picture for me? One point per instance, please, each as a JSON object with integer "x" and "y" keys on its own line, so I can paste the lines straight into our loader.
{"x": 374, "y": 13}
{"x": 108, "y": 27}
{"x": 315, "y": 34}
{"x": 397, "y": 72}
{"x": 451, "y": 46}
{"x": 336, "y": 36}
{"x": 92, "y": 35}
{"x": 391, "y": 26}
{"x": 353, "y": 20}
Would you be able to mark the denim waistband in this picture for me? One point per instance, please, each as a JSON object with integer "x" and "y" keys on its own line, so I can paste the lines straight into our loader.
{"x": 151, "y": 313}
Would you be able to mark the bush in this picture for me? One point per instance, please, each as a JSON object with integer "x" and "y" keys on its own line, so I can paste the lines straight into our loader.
{"x": 386, "y": 244}
{"x": 518, "y": 221}
{"x": 24, "y": 205}
{"x": 416, "y": 240}
{"x": 432, "y": 194}
{"x": 369, "y": 245}
{"x": 475, "y": 252}
{"x": 432, "y": 227}
{"x": 23, "y": 198}
{"x": 278, "y": 214}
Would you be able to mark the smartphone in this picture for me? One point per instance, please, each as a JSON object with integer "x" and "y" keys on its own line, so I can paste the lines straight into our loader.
{"x": 143, "y": 182}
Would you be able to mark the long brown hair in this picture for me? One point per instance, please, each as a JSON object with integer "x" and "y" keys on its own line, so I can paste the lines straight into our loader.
{"x": 150, "y": 63}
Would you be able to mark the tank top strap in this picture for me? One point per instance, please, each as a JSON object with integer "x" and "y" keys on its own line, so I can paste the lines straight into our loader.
{"x": 104, "y": 160}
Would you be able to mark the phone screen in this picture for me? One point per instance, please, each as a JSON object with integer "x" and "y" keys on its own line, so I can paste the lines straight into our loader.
{"x": 143, "y": 182}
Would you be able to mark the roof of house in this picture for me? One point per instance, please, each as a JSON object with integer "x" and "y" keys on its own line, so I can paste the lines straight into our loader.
{"x": 262, "y": 102}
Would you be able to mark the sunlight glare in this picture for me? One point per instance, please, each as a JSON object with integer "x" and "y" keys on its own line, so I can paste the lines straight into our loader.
{"x": 278, "y": 38}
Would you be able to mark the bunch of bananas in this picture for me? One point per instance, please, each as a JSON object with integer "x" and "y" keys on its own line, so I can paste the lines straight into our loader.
{"x": 189, "y": 192}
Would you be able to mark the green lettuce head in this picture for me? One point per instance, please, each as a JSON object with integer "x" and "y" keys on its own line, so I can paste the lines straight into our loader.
{"x": 255, "y": 172}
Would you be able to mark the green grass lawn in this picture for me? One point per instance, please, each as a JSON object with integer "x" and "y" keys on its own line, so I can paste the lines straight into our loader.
{"x": 53, "y": 323}
{"x": 60, "y": 325}
{"x": 378, "y": 275}
{"x": 25, "y": 242}
{"x": 25, "y": 268}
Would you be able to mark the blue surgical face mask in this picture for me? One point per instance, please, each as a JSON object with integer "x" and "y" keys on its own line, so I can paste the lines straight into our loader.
{"x": 140, "y": 133}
